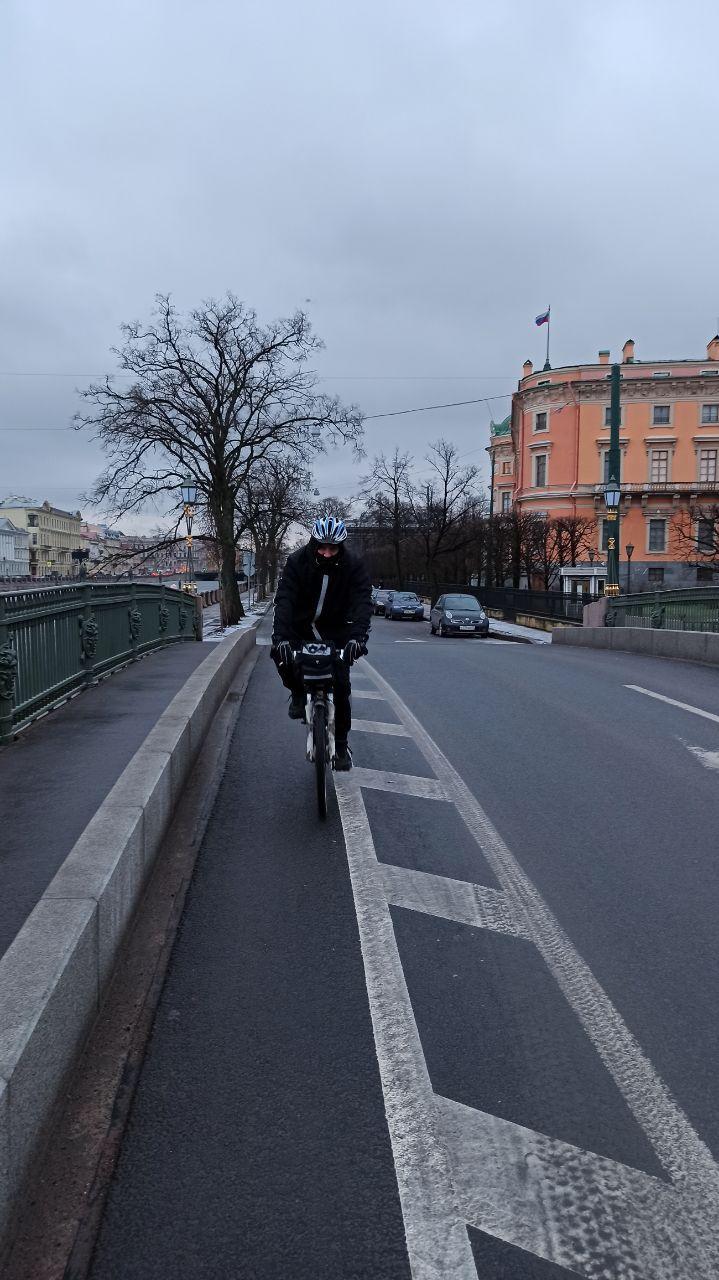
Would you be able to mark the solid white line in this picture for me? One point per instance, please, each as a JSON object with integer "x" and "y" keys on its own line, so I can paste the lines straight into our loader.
{"x": 380, "y": 726}
{"x": 470, "y": 904}
{"x": 558, "y": 1201}
{"x": 406, "y": 784}
{"x": 679, "y": 1148}
{"x": 367, "y": 693}
{"x": 683, "y": 706}
{"x": 437, "y": 1241}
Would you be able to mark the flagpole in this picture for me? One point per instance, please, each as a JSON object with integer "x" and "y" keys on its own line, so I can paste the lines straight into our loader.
{"x": 547, "y": 365}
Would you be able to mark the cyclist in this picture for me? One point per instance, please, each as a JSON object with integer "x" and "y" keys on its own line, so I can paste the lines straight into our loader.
{"x": 324, "y": 594}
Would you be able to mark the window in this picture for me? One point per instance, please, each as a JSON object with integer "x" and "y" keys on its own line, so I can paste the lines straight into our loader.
{"x": 605, "y": 467}
{"x": 540, "y": 470}
{"x": 710, "y": 373}
{"x": 544, "y": 382}
{"x": 710, "y": 413}
{"x": 657, "y": 535}
{"x": 604, "y": 541}
{"x": 655, "y": 576}
{"x": 32, "y": 520}
{"x": 705, "y": 536}
{"x": 708, "y": 466}
{"x": 506, "y": 503}
{"x": 661, "y": 415}
{"x": 608, "y": 415}
{"x": 506, "y": 468}
{"x": 659, "y": 466}
{"x": 705, "y": 573}
{"x": 663, "y": 374}
{"x": 540, "y": 421}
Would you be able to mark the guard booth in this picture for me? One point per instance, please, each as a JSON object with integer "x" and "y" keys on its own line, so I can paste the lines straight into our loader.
{"x": 584, "y": 579}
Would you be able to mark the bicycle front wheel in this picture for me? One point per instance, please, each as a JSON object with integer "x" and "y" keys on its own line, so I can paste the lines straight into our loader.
{"x": 319, "y": 739}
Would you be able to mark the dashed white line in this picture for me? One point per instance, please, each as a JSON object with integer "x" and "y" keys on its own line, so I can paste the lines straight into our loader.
{"x": 673, "y": 702}
{"x": 456, "y": 900}
{"x": 379, "y": 726}
{"x": 406, "y": 784}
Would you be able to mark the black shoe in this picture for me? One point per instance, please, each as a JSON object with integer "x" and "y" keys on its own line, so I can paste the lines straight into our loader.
{"x": 343, "y": 757}
{"x": 297, "y": 706}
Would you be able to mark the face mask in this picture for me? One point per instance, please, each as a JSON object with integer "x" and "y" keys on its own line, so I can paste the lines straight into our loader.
{"x": 326, "y": 563}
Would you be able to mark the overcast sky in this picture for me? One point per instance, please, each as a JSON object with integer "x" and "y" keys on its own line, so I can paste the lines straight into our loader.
{"x": 431, "y": 175}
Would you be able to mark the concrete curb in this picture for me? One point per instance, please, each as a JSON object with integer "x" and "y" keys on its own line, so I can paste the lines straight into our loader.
{"x": 685, "y": 646}
{"x": 54, "y": 975}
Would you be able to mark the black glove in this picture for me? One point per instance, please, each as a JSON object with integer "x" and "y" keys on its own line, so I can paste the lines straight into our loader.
{"x": 283, "y": 653}
{"x": 355, "y": 649}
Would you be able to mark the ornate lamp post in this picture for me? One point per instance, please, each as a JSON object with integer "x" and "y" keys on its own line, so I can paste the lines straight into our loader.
{"x": 630, "y": 552}
{"x": 189, "y": 498}
{"x": 612, "y": 494}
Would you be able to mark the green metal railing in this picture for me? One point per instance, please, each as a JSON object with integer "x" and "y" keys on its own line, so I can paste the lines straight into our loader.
{"x": 693, "y": 609}
{"x": 57, "y": 639}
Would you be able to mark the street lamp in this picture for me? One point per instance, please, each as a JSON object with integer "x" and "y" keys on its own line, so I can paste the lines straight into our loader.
{"x": 189, "y": 498}
{"x": 630, "y": 552}
{"x": 612, "y": 494}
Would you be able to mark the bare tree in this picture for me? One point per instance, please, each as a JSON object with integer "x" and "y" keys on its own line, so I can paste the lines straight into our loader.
{"x": 695, "y": 535}
{"x": 574, "y": 537}
{"x": 438, "y": 505}
{"x": 213, "y": 394}
{"x": 385, "y": 486}
{"x": 273, "y": 499}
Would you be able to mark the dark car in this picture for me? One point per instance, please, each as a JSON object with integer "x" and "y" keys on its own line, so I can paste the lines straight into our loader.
{"x": 458, "y": 616}
{"x": 403, "y": 604}
{"x": 379, "y": 596}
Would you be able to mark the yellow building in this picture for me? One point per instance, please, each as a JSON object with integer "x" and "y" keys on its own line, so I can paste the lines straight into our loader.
{"x": 53, "y": 535}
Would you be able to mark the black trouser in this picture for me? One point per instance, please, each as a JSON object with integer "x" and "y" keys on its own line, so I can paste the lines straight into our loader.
{"x": 292, "y": 680}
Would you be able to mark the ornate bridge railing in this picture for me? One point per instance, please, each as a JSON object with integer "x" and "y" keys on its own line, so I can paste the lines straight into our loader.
{"x": 56, "y": 640}
{"x": 688, "y": 609}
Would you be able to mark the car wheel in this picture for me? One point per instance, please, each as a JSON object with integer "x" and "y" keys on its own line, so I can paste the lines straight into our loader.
{"x": 433, "y": 629}
{"x": 442, "y": 631}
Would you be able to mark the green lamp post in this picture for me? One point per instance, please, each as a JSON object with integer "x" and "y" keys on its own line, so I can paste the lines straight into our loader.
{"x": 612, "y": 490}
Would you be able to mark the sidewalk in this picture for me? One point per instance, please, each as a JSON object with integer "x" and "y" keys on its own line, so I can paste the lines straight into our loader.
{"x": 57, "y": 773}
{"x": 534, "y": 636}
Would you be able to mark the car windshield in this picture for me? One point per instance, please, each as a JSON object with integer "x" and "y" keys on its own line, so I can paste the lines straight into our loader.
{"x": 407, "y": 597}
{"x": 462, "y": 602}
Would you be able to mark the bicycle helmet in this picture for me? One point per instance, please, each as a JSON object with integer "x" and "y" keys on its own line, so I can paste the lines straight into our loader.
{"x": 329, "y": 531}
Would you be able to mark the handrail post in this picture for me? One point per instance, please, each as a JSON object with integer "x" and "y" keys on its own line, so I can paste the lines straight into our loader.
{"x": 88, "y": 634}
{"x": 8, "y": 669}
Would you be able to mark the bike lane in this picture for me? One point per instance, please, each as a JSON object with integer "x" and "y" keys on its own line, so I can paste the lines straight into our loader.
{"x": 257, "y": 1144}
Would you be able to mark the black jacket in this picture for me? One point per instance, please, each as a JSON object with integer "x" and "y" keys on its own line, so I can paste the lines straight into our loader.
{"x": 347, "y": 605}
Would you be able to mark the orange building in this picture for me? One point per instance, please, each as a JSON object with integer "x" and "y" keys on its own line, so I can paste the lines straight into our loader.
{"x": 553, "y": 454}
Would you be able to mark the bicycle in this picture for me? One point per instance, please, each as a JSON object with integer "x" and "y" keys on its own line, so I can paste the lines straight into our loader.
{"x": 316, "y": 663}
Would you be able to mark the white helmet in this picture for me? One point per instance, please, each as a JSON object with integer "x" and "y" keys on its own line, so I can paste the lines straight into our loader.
{"x": 329, "y": 531}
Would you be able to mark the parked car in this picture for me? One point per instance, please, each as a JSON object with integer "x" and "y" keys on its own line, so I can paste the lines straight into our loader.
{"x": 458, "y": 616}
{"x": 379, "y": 596}
{"x": 403, "y": 604}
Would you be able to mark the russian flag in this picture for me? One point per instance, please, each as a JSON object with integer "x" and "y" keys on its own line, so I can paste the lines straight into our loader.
{"x": 544, "y": 318}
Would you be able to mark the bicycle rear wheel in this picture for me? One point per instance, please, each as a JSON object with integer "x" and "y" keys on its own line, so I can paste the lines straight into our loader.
{"x": 319, "y": 739}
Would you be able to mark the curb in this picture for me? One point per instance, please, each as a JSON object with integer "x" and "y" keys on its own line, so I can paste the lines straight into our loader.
{"x": 684, "y": 646}
{"x": 54, "y": 974}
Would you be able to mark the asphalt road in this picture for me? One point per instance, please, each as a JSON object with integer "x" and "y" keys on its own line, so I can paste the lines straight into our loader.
{"x": 467, "y": 1027}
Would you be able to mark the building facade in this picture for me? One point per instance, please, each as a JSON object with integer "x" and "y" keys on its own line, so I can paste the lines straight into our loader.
{"x": 558, "y": 438}
{"x": 14, "y": 550}
{"x": 53, "y": 535}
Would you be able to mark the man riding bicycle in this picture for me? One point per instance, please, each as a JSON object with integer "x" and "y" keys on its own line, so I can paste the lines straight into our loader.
{"x": 324, "y": 594}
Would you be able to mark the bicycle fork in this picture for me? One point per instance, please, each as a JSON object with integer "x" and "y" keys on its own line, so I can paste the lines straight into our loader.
{"x": 309, "y": 709}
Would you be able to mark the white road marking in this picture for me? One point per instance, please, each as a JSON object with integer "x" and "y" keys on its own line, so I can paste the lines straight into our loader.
{"x": 471, "y": 904}
{"x": 410, "y": 641}
{"x": 710, "y": 759}
{"x": 675, "y": 1245}
{"x": 684, "y": 706}
{"x": 406, "y": 784}
{"x": 380, "y": 726}
{"x": 367, "y": 693}
{"x": 568, "y": 1205}
{"x": 437, "y": 1241}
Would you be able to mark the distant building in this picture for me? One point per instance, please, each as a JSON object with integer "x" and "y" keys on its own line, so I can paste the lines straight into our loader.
{"x": 53, "y": 535}
{"x": 555, "y": 453}
{"x": 14, "y": 550}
